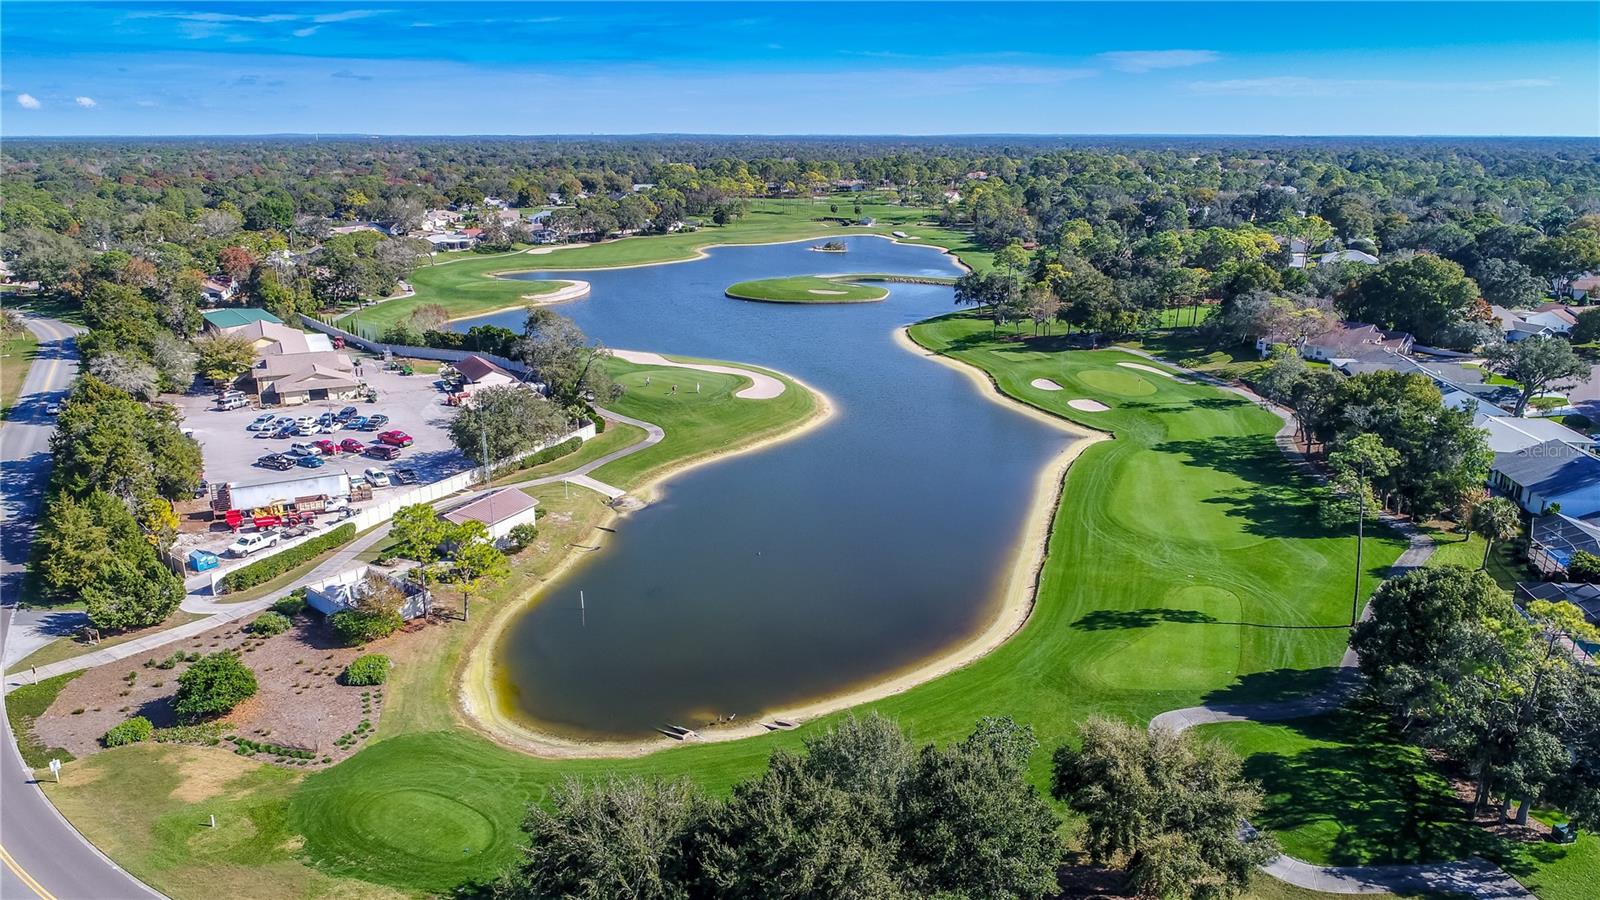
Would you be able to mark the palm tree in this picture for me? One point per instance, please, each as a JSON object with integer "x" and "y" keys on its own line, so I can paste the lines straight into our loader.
{"x": 1495, "y": 519}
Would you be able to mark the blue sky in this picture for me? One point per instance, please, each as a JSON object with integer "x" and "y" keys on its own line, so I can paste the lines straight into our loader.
{"x": 441, "y": 67}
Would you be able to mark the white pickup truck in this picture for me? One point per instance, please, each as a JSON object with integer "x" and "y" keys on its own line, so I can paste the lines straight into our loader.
{"x": 250, "y": 543}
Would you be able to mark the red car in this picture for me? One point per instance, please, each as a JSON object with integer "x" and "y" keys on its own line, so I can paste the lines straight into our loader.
{"x": 395, "y": 439}
{"x": 351, "y": 445}
{"x": 326, "y": 447}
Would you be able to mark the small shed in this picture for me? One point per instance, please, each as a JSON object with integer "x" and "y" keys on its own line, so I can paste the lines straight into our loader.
{"x": 342, "y": 591}
{"x": 499, "y": 511}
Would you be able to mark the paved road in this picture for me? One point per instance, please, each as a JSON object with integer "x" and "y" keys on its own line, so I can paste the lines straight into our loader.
{"x": 40, "y": 854}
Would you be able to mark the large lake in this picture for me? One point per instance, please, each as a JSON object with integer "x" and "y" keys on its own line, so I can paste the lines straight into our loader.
{"x": 773, "y": 578}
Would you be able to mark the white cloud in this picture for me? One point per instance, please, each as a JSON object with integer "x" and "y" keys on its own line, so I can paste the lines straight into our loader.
{"x": 1146, "y": 60}
{"x": 1300, "y": 86}
{"x": 305, "y": 32}
{"x": 86, "y": 102}
{"x": 28, "y": 101}
{"x": 147, "y": 104}
{"x": 348, "y": 15}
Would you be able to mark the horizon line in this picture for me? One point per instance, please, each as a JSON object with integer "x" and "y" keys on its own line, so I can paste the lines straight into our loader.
{"x": 364, "y": 135}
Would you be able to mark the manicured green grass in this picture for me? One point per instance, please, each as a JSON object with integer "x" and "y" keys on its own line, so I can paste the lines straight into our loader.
{"x": 1344, "y": 789}
{"x": 806, "y": 289}
{"x": 1186, "y": 563}
{"x": 1186, "y": 316}
{"x": 464, "y": 284}
{"x": 616, "y": 436}
{"x": 27, "y": 703}
{"x": 467, "y": 286}
{"x": 1505, "y": 566}
{"x": 697, "y": 424}
{"x": 17, "y": 351}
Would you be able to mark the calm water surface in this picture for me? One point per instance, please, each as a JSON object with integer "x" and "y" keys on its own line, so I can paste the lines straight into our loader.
{"x": 783, "y": 576}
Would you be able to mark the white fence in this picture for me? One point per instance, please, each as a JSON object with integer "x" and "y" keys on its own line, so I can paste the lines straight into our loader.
{"x": 435, "y": 353}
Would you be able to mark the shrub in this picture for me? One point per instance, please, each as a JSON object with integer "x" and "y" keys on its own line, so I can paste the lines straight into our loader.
{"x": 171, "y": 661}
{"x": 520, "y": 536}
{"x": 264, "y": 570}
{"x": 131, "y": 731}
{"x": 357, "y": 627}
{"x": 373, "y": 668}
{"x": 202, "y": 733}
{"x": 213, "y": 686}
{"x": 554, "y": 452}
{"x": 270, "y": 623}
{"x": 1577, "y": 422}
{"x": 292, "y": 605}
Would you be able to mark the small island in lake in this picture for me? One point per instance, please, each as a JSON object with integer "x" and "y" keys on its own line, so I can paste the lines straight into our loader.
{"x": 831, "y": 247}
{"x": 806, "y": 289}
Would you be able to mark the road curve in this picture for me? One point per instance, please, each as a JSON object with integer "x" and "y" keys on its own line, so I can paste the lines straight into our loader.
{"x": 43, "y": 856}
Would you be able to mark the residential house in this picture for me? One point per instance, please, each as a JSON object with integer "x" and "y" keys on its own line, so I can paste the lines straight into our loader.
{"x": 1344, "y": 256}
{"x": 346, "y": 590}
{"x": 1558, "y": 316}
{"x": 218, "y": 289}
{"x": 1508, "y": 434}
{"x": 1585, "y": 597}
{"x": 1514, "y": 326}
{"x": 1345, "y": 341}
{"x": 435, "y": 220}
{"x": 499, "y": 511}
{"x": 454, "y": 241}
{"x": 1584, "y": 287}
{"x": 952, "y": 196}
{"x": 1549, "y": 474}
{"x": 357, "y": 226}
{"x": 218, "y": 321}
{"x": 291, "y": 379}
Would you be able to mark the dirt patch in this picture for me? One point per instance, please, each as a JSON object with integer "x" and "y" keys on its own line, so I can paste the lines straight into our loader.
{"x": 299, "y": 704}
{"x": 205, "y": 775}
{"x": 1088, "y": 405}
{"x": 1045, "y": 384}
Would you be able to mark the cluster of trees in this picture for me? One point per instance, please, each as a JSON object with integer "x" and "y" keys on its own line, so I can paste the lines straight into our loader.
{"x": 461, "y": 554}
{"x": 118, "y": 465}
{"x": 1461, "y": 670}
{"x": 863, "y": 813}
{"x": 1440, "y": 459}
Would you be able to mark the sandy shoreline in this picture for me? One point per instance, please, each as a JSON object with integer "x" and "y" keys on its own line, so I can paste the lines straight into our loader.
{"x": 700, "y": 252}
{"x": 478, "y": 707}
{"x": 574, "y": 289}
{"x": 1015, "y": 599}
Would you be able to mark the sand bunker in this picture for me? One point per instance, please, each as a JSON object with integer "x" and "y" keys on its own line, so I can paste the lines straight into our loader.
{"x": 1045, "y": 384}
{"x": 829, "y": 293}
{"x": 1088, "y": 405}
{"x": 1144, "y": 368}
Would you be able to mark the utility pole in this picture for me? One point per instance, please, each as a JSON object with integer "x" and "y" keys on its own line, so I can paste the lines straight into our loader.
{"x": 1361, "y": 521}
{"x": 483, "y": 443}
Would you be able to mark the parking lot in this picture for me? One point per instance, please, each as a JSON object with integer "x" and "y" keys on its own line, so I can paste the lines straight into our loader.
{"x": 414, "y": 404}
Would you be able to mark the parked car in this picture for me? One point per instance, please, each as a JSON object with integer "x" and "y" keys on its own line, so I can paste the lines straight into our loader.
{"x": 250, "y": 543}
{"x": 275, "y": 461}
{"x": 304, "y": 422}
{"x": 377, "y": 477}
{"x": 283, "y": 433}
{"x": 373, "y": 423}
{"x": 404, "y": 476}
{"x": 383, "y": 451}
{"x": 326, "y": 447}
{"x": 262, "y": 422}
{"x": 351, "y": 445}
{"x": 301, "y": 448}
{"x": 346, "y": 414}
{"x": 357, "y": 423}
{"x": 228, "y": 403}
{"x": 327, "y": 420}
{"x": 395, "y": 438}
{"x": 230, "y": 394}
{"x": 52, "y": 409}
{"x": 312, "y": 462}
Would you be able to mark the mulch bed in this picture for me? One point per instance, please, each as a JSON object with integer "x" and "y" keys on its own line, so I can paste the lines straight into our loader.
{"x": 299, "y": 703}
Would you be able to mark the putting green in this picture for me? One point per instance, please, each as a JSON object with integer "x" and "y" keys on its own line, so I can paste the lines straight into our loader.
{"x": 427, "y": 823}
{"x": 807, "y": 289}
{"x": 1115, "y": 381}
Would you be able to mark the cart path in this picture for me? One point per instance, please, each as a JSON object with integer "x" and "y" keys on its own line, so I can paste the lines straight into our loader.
{"x": 1470, "y": 877}
{"x": 765, "y": 387}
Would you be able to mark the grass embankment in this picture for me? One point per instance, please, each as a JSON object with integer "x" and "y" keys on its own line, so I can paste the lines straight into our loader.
{"x": 466, "y": 287}
{"x": 27, "y": 703}
{"x": 1506, "y": 566}
{"x": 697, "y": 424}
{"x": 807, "y": 289}
{"x": 1343, "y": 789}
{"x": 17, "y": 350}
{"x": 1185, "y": 564}
{"x": 616, "y": 436}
